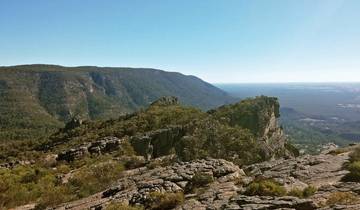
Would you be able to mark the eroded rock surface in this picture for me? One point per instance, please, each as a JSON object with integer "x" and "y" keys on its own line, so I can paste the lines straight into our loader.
{"x": 316, "y": 170}
{"x": 229, "y": 183}
{"x": 102, "y": 146}
{"x": 136, "y": 185}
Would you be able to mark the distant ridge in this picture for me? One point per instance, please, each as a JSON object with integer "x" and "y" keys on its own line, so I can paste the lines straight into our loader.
{"x": 45, "y": 96}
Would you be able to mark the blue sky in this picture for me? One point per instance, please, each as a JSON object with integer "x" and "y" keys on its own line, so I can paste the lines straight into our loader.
{"x": 218, "y": 41}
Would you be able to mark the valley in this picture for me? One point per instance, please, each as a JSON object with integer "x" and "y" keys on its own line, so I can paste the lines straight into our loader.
{"x": 312, "y": 114}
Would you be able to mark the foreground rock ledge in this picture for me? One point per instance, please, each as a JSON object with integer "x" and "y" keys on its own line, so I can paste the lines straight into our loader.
{"x": 138, "y": 183}
{"x": 227, "y": 189}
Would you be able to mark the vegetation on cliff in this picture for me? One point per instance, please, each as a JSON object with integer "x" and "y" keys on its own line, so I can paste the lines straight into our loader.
{"x": 353, "y": 166}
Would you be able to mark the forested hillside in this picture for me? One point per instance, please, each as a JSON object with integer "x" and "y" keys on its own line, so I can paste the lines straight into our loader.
{"x": 37, "y": 99}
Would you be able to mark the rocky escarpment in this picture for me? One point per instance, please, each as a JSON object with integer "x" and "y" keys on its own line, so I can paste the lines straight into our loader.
{"x": 261, "y": 119}
{"x": 102, "y": 146}
{"x": 244, "y": 133}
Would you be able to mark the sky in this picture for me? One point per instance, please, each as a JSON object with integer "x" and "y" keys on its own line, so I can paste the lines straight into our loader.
{"x": 227, "y": 41}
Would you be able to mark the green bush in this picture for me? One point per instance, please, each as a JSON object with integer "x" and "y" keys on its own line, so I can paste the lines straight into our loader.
{"x": 96, "y": 178}
{"x": 265, "y": 188}
{"x": 355, "y": 155}
{"x": 309, "y": 191}
{"x": 55, "y": 195}
{"x": 161, "y": 201}
{"x": 353, "y": 167}
{"x": 202, "y": 179}
{"x": 305, "y": 193}
{"x": 199, "y": 180}
{"x": 26, "y": 184}
{"x": 296, "y": 193}
{"x": 354, "y": 175}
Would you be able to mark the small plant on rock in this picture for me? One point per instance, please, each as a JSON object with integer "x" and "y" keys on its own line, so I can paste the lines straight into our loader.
{"x": 199, "y": 180}
{"x": 353, "y": 167}
{"x": 160, "y": 201}
{"x": 305, "y": 193}
{"x": 265, "y": 187}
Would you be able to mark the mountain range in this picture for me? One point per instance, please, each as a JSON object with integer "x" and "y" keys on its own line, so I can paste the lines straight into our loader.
{"x": 37, "y": 99}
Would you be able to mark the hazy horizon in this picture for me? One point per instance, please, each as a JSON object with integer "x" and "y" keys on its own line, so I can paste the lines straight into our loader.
{"x": 231, "y": 41}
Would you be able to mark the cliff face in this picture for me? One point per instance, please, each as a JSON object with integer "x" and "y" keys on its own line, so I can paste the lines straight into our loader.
{"x": 274, "y": 140}
{"x": 260, "y": 116}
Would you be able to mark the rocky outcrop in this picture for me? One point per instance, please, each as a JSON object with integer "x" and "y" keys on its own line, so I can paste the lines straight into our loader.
{"x": 73, "y": 123}
{"x": 273, "y": 139}
{"x": 316, "y": 170}
{"x": 166, "y": 101}
{"x": 227, "y": 186}
{"x": 151, "y": 144}
{"x": 157, "y": 143}
{"x": 102, "y": 146}
{"x": 137, "y": 184}
{"x": 260, "y": 116}
{"x": 229, "y": 182}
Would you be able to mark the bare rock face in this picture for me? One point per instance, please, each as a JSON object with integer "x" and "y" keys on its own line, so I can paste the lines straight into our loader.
{"x": 316, "y": 170}
{"x": 102, "y": 146}
{"x": 273, "y": 138}
{"x": 137, "y": 184}
{"x": 157, "y": 143}
{"x": 228, "y": 184}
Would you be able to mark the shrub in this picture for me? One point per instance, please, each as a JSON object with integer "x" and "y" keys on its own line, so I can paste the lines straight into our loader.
{"x": 160, "y": 201}
{"x": 265, "y": 188}
{"x": 53, "y": 196}
{"x": 344, "y": 198}
{"x": 292, "y": 149}
{"x": 355, "y": 155}
{"x": 63, "y": 169}
{"x": 296, "y": 193}
{"x": 354, "y": 175}
{"x": 305, "y": 193}
{"x": 96, "y": 178}
{"x": 201, "y": 179}
{"x": 309, "y": 191}
{"x": 353, "y": 167}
